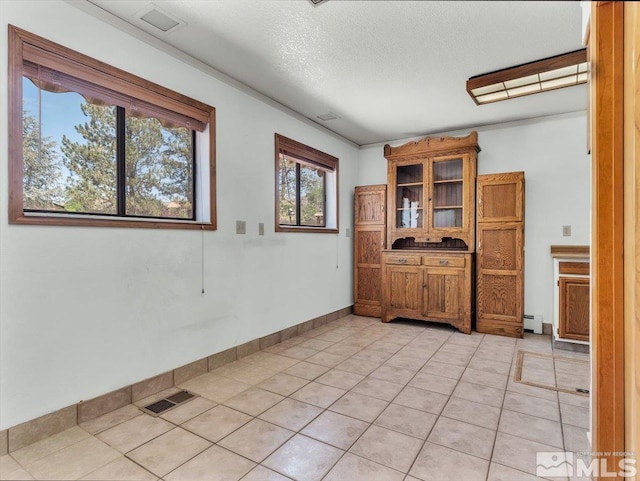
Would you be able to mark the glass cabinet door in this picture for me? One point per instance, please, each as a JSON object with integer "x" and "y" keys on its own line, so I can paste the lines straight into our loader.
{"x": 447, "y": 192}
{"x": 409, "y": 196}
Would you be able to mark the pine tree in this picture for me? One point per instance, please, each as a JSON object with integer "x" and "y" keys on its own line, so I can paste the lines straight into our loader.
{"x": 41, "y": 163}
{"x": 158, "y": 166}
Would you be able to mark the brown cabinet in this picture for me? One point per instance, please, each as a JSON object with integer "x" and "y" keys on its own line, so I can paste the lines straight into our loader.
{"x": 428, "y": 286}
{"x": 571, "y": 293}
{"x": 432, "y": 191}
{"x": 427, "y": 271}
{"x": 574, "y": 308}
{"x": 500, "y": 254}
{"x": 369, "y": 240}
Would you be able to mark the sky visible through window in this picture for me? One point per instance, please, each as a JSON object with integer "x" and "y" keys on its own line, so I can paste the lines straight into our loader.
{"x": 62, "y": 110}
{"x": 69, "y": 152}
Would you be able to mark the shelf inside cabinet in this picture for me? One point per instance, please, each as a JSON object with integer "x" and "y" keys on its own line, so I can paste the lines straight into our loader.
{"x": 436, "y": 177}
{"x": 447, "y": 181}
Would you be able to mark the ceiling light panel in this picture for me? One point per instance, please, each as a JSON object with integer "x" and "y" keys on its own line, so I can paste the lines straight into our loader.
{"x": 547, "y": 74}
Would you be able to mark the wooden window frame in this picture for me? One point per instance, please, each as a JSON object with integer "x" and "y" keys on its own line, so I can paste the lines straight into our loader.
{"x": 303, "y": 154}
{"x": 105, "y": 80}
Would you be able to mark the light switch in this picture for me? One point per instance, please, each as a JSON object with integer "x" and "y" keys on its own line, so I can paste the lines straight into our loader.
{"x": 566, "y": 230}
{"x": 260, "y": 228}
{"x": 241, "y": 227}
{"x": 348, "y": 232}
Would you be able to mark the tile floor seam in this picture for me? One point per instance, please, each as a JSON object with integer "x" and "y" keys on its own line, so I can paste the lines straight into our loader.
{"x": 48, "y": 453}
{"x": 443, "y": 407}
{"x": 504, "y": 395}
{"x": 555, "y": 379}
{"x": 136, "y": 463}
{"x": 372, "y": 423}
{"x": 270, "y": 453}
{"x": 404, "y": 341}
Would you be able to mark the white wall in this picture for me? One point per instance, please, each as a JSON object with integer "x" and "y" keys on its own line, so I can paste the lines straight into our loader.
{"x": 84, "y": 311}
{"x": 87, "y": 310}
{"x": 553, "y": 155}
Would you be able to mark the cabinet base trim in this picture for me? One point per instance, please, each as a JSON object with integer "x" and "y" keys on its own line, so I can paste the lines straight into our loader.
{"x": 499, "y": 328}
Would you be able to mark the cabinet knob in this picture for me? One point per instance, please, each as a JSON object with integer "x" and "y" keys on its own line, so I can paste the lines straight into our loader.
{"x": 444, "y": 262}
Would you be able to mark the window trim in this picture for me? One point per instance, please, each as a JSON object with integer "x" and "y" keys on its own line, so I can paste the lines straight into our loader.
{"x": 106, "y": 76}
{"x": 316, "y": 158}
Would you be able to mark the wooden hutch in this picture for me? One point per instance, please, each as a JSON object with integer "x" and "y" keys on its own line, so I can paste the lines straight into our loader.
{"x": 427, "y": 267}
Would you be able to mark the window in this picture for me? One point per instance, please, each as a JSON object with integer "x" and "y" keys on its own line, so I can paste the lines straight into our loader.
{"x": 93, "y": 145}
{"x": 306, "y": 188}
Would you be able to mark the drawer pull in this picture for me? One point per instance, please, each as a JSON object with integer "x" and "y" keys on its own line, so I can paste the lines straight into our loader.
{"x": 402, "y": 260}
{"x": 444, "y": 262}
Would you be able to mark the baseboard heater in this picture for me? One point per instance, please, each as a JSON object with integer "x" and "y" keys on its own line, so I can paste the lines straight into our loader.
{"x": 533, "y": 323}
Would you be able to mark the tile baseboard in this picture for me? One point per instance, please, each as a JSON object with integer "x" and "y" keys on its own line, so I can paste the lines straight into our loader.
{"x": 32, "y": 431}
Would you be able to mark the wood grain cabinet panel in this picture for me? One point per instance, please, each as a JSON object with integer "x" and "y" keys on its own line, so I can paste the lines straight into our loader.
{"x": 404, "y": 293}
{"x": 434, "y": 286}
{"x": 370, "y": 204}
{"x": 369, "y": 239}
{"x": 442, "y": 293}
{"x": 500, "y": 254}
{"x": 574, "y": 308}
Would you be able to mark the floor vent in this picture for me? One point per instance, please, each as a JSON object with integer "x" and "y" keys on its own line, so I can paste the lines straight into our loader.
{"x": 170, "y": 402}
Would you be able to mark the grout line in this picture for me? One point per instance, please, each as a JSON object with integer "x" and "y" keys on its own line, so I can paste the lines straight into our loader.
{"x": 495, "y": 439}
{"x": 358, "y": 331}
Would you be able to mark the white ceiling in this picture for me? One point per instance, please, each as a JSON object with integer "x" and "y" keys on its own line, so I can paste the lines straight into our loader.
{"x": 388, "y": 69}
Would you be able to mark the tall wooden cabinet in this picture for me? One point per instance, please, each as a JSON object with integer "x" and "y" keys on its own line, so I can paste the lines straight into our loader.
{"x": 369, "y": 239}
{"x": 500, "y": 254}
{"x": 428, "y": 268}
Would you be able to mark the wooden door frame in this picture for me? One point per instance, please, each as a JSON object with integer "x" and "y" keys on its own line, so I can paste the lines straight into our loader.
{"x": 606, "y": 51}
{"x": 632, "y": 225}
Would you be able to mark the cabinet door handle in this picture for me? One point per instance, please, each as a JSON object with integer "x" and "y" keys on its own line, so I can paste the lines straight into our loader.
{"x": 444, "y": 262}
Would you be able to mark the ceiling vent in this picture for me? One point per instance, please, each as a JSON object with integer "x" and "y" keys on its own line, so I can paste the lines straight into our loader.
{"x": 328, "y": 116}
{"x": 155, "y": 17}
{"x": 315, "y": 3}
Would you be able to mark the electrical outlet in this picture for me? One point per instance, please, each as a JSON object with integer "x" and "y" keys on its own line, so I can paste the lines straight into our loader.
{"x": 260, "y": 228}
{"x": 566, "y": 230}
{"x": 241, "y": 227}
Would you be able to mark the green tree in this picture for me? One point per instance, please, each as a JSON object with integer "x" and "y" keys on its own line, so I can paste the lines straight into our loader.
{"x": 41, "y": 168}
{"x": 287, "y": 191}
{"x": 158, "y": 166}
{"x": 177, "y": 170}
{"x": 311, "y": 195}
{"x": 91, "y": 186}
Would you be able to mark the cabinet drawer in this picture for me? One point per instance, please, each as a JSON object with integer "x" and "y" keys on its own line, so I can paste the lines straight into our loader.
{"x": 575, "y": 268}
{"x": 402, "y": 260}
{"x": 448, "y": 261}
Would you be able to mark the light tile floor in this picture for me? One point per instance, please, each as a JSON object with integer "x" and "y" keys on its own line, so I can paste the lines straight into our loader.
{"x": 353, "y": 400}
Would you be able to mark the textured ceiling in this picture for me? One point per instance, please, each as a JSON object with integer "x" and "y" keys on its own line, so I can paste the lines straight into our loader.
{"x": 387, "y": 69}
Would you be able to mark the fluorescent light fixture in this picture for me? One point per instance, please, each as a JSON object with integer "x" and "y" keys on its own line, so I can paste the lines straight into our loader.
{"x": 530, "y": 78}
